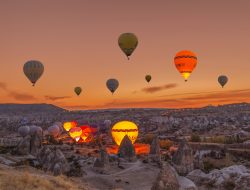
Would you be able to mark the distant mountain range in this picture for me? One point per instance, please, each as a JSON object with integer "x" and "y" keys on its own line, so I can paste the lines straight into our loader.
{"x": 50, "y": 108}
{"x": 29, "y": 108}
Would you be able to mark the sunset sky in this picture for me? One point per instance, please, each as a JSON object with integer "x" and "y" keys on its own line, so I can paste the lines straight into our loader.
{"x": 76, "y": 40}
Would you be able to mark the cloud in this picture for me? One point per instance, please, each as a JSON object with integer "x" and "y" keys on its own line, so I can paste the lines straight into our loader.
{"x": 21, "y": 96}
{"x": 159, "y": 88}
{"x": 55, "y": 98}
{"x": 184, "y": 101}
{"x": 16, "y": 95}
{"x": 3, "y": 86}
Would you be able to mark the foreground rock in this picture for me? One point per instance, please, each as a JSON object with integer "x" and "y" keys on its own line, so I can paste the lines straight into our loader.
{"x": 53, "y": 160}
{"x": 183, "y": 160}
{"x": 126, "y": 149}
{"x": 23, "y": 148}
{"x": 102, "y": 162}
{"x": 235, "y": 177}
{"x": 186, "y": 184}
{"x": 29, "y": 144}
{"x": 167, "y": 179}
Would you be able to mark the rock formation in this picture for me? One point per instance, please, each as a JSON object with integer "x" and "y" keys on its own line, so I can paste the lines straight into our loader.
{"x": 167, "y": 179}
{"x": 234, "y": 177}
{"x": 155, "y": 147}
{"x": 53, "y": 160}
{"x": 126, "y": 149}
{"x": 35, "y": 142}
{"x": 23, "y": 148}
{"x": 154, "y": 153}
{"x": 183, "y": 158}
{"x": 103, "y": 160}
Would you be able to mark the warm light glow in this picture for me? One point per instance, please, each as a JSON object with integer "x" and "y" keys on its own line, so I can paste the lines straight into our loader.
{"x": 77, "y": 139}
{"x": 185, "y": 75}
{"x": 69, "y": 125}
{"x": 75, "y": 132}
{"x": 123, "y": 128}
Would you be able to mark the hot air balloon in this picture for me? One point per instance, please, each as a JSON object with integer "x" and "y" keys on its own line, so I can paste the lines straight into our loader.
{"x": 78, "y": 90}
{"x": 68, "y": 125}
{"x": 128, "y": 42}
{"x": 222, "y": 79}
{"x": 185, "y": 62}
{"x": 33, "y": 70}
{"x": 23, "y": 130}
{"x": 54, "y": 130}
{"x": 75, "y": 133}
{"x": 122, "y": 128}
{"x": 112, "y": 85}
{"x": 36, "y": 130}
{"x": 148, "y": 78}
{"x": 86, "y": 133}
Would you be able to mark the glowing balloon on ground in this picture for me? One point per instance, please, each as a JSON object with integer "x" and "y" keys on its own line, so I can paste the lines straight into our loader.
{"x": 112, "y": 85}
{"x": 75, "y": 133}
{"x": 185, "y": 62}
{"x": 148, "y": 78}
{"x": 122, "y": 128}
{"x": 86, "y": 133}
{"x": 222, "y": 79}
{"x": 128, "y": 42}
{"x": 33, "y": 70}
{"x": 69, "y": 125}
{"x": 78, "y": 90}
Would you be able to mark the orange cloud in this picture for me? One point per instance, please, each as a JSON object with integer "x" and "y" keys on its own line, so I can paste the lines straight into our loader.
{"x": 55, "y": 98}
{"x": 21, "y": 96}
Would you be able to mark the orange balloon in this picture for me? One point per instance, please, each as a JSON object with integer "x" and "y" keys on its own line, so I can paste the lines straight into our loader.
{"x": 185, "y": 62}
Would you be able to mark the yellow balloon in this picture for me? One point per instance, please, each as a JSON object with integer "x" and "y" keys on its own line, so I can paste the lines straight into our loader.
{"x": 123, "y": 128}
{"x": 128, "y": 42}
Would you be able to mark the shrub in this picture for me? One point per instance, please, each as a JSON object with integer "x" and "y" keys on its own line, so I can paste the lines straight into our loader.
{"x": 165, "y": 144}
{"x": 208, "y": 166}
{"x": 195, "y": 138}
{"x": 148, "y": 138}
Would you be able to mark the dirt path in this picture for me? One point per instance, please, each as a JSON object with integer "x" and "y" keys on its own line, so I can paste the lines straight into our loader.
{"x": 136, "y": 176}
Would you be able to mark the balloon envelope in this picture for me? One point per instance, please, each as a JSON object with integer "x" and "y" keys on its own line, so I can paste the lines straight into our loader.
{"x": 54, "y": 130}
{"x": 123, "y": 128}
{"x": 128, "y": 42}
{"x": 112, "y": 85}
{"x": 23, "y": 131}
{"x": 35, "y": 129}
{"x": 33, "y": 70}
{"x": 185, "y": 62}
{"x": 68, "y": 125}
{"x": 75, "y": 133}
{"x": 222, "y": 79}
{"x": 78, "y": 90}
{"x": 148, "y": 78}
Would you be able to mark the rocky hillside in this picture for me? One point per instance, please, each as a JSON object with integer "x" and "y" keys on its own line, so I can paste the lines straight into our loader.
{"x": 29, "y": 108}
